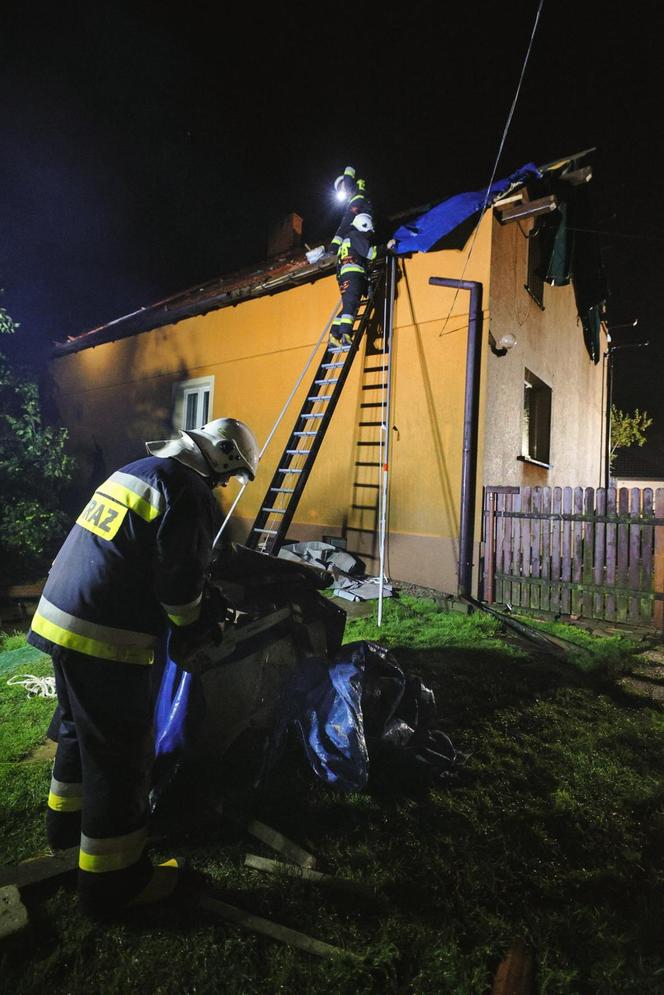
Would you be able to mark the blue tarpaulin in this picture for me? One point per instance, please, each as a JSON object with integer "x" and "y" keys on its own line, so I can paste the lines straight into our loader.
{"x": 421, "y": 234}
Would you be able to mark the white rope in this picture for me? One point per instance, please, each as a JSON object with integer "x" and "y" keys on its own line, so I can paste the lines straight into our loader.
{"x": 278, "y": 421}
{"x": 37, "y": 687}
{"x": 495, "y": 165}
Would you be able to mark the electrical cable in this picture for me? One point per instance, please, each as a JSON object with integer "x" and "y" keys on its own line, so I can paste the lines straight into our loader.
{"x": 497, "y": 160}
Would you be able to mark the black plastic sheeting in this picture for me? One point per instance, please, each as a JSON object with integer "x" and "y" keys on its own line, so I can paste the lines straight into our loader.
{"x": 361, "y": 709}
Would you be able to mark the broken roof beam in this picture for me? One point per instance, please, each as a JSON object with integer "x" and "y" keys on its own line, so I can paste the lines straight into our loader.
{"x": 525, "y": 209}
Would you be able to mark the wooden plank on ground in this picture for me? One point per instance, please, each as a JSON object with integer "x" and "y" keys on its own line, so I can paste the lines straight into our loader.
{"x": 276, "y": 841}
{"x": 622, "y": 576}
{"x": 611, "y": 555}
{"x": 256, "y": 924}
{"x": 556, "y": 537}
{"x": 588, "y": 551}
{"x": 600, "y": 553}
{"x": 488, "y": 591}
{"x": 305, "y": 874}
{"x": 515, "y": 972}
{"x": 647, "y": 538}
{"x": 41, "y": 869}
{"x": 566, "y": 599}
{"x": 577, "y": 553}
{"x": 634, "y": 551}
{"x": 658, "y": 614}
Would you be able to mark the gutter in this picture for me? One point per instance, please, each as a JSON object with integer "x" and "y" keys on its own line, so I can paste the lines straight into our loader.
{"x": 470, "y": 428}
{"x": 198, "y": 301}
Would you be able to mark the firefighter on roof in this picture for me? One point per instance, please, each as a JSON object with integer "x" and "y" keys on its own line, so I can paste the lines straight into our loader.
{"x": 134, "y": 565}
{"x": 354, "y": 245}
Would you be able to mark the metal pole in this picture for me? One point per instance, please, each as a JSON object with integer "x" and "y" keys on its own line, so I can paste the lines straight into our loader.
{"x": 607, "y": 426}
{"x": 386, "y": 433}
{"x": 470, "y": 428}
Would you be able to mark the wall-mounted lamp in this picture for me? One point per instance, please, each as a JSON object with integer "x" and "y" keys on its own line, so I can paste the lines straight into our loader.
{"x": 503, "y": 345}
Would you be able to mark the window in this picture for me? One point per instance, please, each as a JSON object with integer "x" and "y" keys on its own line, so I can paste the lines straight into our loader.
{"x": 534, "y": 280}
{"x": 192, "y": 402}
{"x": 536, "y": 436}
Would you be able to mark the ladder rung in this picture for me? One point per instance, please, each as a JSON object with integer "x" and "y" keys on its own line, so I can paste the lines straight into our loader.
{"x": 374, "y": 386}
{"x": 372, "y": 486}
{"x": 330, "y": 381}
{"x": 331, "y": 366}
{"x": 321, "y": 415}
{"x": 305, "y": 433}
{"x": 377, "y": 443}
{"x": 365, "y": 463}
{"x": 375, "y": 369}
{"x": 368, "y": 424}
{"x": 373, "y": 404}
{"x": 364, "y": 507}
{"x": 322, "y": 397}
{"x": 274, "y": 511}
{"x": 298, "y": 452}
{"x": 286, "y": 490}
{"x": 283, "y": 469}
{"x": 267, "y": 532}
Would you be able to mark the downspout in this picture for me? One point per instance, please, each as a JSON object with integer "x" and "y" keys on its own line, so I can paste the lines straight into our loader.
{"x": 470, "y": 428}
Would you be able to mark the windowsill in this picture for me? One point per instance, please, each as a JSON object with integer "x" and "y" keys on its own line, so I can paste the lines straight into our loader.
{"x": 534, "y": 462}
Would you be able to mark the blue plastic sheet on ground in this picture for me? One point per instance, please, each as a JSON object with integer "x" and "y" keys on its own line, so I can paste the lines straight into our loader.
{"x": 323, "y": 702}
{"x": 351, "y": 709}
{"x": 421, "y": 234}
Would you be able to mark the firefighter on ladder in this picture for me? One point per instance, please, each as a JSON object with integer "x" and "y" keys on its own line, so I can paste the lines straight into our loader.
{"x": 133, "y": 567}
{"x": 355, "y": 249}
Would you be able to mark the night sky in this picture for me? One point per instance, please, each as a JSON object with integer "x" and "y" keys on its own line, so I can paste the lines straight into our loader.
{"x": 144, "y": 151}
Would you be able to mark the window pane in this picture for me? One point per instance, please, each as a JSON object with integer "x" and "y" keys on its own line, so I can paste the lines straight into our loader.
{"x": 206, "y": 405}
{"x": 191, "y": 401}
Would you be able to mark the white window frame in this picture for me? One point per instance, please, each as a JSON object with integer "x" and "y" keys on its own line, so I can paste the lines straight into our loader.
{"x": 183, "y": 390}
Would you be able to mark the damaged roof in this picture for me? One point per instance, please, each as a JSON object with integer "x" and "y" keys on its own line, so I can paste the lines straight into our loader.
{"x": 283, "y": 272}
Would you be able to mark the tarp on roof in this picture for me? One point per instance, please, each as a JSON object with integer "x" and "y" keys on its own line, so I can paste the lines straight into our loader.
{"x": 421, "y": 234}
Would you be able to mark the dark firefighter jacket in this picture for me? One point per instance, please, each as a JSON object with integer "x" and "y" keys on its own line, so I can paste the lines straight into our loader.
{"x": 137, "y": 556}
{"x": 355, "y": 249}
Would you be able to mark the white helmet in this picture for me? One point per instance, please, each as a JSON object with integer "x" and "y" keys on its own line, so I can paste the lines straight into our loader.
{"x": 363, "y": 222}
{"x": 224, "y": 447}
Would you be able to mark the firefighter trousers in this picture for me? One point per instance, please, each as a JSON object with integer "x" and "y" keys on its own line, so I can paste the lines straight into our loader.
{"x": 99, "y": 790}
{"x": 352, "y": 286}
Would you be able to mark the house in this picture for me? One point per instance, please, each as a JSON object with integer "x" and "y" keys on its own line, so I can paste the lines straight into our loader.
{"x": 237, "y": 345}
{"x": 632, "y": 469}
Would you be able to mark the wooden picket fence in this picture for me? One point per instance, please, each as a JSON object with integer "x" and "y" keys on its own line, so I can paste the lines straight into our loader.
{"x": 587, "y": 552}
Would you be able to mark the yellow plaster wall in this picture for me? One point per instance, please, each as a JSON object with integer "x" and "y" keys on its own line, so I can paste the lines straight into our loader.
{"x": 120, "y": 394}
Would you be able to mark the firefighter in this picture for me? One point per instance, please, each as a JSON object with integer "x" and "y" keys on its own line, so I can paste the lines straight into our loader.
{"x": 355, "y": 249}
{"x": 133, "y": 567}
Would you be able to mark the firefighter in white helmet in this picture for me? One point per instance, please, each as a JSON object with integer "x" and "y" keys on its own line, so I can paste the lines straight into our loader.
{"x": 355, "y": 248}
{"x": 134, "y": 565}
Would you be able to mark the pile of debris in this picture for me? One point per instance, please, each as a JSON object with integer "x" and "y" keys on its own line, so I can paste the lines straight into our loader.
{"x": 350, "y": 579}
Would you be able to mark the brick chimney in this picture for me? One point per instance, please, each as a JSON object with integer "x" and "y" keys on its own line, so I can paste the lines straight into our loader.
{"x": 285, "y": 236}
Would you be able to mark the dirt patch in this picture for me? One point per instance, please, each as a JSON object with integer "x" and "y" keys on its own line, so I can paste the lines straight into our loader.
{"x": 45, "y": 751}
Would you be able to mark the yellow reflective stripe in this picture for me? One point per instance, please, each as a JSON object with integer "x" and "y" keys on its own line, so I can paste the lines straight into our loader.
{"x": 91, "y": 647}
{"x": 147, "y": 511}
{"x": 186, "y": 619}
{"x": 373, "y": 251}
{"x": 59, "y": 804}
{"x": 346, "y": 321}
{"x": 352, "y": 268}
{"x": 115, "y": 853}
{"x": 358, "y": 196}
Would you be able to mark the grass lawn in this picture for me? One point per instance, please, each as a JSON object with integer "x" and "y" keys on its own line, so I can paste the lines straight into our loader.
{"x": 554, "y": 833}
